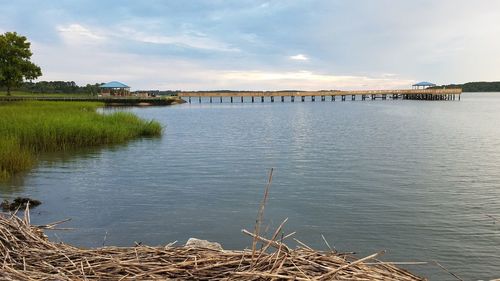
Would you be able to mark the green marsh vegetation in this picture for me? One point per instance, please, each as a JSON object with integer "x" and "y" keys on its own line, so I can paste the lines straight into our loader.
{"x": 30, "y": 128}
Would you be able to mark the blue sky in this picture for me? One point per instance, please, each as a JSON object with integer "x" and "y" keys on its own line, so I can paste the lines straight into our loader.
{"x": 261, "y": 45}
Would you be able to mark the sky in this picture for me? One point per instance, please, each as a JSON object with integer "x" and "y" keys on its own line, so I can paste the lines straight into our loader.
{"x": 260, "y": 45}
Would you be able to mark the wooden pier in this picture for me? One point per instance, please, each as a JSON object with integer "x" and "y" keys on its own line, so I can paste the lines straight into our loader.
{"x": 272, "y": 96}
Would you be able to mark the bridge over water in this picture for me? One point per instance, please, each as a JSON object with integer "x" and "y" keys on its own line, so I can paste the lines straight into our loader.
{"x": 253, "y": 96}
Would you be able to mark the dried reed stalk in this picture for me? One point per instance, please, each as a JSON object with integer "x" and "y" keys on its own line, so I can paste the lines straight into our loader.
{"x": 27, "y": 254}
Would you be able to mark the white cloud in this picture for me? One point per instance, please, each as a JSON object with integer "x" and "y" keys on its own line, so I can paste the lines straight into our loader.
{"x": 84, "y": 64}
{"x": 307, "y": 80}
{"x": 199, "y": 41}
{"x": 76, "y": 35}
{"x": 299, "y": 57}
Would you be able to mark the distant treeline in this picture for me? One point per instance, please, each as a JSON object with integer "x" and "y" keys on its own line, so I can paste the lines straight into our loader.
{"x": 67, "y": 87}
{"x": 474, "y": 87}
{"x": 158, "y": 92}
{"x": 70, "y": 87}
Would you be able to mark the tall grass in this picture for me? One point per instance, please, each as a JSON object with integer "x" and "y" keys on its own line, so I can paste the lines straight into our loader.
{"x": 28, "y": 128}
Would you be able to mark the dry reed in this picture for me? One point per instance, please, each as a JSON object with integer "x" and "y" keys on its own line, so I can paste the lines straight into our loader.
{"x": 27, "y": 254}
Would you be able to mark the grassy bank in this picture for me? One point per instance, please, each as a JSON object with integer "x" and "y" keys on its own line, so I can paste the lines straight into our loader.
{"x": 28, "y": 128}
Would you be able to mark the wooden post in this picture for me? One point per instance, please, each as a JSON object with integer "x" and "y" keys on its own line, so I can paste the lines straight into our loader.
{"x": 189, "y": 99}
{"x": 282, "y": 99}
{"x": 302, "y": 98}
{"x": 252, "y": 99}
{"x": 333, "y": 98}
{"x": 231, "y": 99}
{"x": 272, "y": 98}
{"x": 199, "y": 99}
{"x": 292, "y": 98}
{"x": 242, "y": 99}
{"x": 262, "y": 99}
{"x": 221, "y": 99}
{"x": 210, "y": 99}
{"x": 313, "y": 98}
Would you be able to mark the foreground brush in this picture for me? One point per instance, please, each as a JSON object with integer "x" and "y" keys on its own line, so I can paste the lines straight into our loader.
{"x": 27, "y": 254}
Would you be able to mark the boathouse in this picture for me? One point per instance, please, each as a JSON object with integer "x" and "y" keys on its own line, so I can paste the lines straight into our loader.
{"x": 114, "y": 88}
{"x": 423, "y": 85}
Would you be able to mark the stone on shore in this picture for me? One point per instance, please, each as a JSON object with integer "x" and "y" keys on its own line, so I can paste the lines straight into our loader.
{"x": 198, "y": 243}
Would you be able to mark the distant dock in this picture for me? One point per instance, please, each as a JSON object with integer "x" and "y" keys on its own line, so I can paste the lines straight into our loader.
{"x": 292, "y": 96}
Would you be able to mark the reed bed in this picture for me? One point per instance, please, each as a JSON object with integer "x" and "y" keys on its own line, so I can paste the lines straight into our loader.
{"x": 28, "y": 128}
{"x": 27, "y": 254}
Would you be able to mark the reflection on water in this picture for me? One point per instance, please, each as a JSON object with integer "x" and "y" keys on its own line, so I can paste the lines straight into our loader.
{"x": 57, "y": 159}
{"x": 418, "y": 179}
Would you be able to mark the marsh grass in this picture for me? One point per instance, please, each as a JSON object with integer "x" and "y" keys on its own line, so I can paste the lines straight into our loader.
{"x": 29, "y": 128}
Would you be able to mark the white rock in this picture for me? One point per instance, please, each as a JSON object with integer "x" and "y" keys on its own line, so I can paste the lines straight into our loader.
{"x": 198, "y": 243}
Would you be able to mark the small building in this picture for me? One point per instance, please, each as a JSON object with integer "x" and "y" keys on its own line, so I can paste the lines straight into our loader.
{"x": 423, "y": 85}
{"x": 114, "y": 88}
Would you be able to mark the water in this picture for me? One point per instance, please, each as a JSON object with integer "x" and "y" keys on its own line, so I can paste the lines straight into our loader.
{"x": 417, "y": 179}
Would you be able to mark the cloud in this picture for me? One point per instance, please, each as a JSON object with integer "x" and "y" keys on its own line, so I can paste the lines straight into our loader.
{"x": 308, "y": 80}
{"x": 84, "y": 64}
{"x": 299, "y": 57}
{"x": 239, "y": 44}
{"x": 77, "y": 34}
{"x": 195, "y": 41}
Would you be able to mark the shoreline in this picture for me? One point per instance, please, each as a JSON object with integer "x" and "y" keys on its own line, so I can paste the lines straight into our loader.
{"x": 108, "y": 101}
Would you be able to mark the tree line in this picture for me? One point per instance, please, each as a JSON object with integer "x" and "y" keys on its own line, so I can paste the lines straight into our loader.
{"x": 473, "y": 87}
{"x": 66, "y": 87}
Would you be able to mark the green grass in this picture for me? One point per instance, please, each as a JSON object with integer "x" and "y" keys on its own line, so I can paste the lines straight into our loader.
{"x": 29, "y": 128}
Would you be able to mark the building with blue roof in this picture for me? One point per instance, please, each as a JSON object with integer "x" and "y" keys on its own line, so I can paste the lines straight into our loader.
{"x": 114, "y": 88}
{"x": 423, "y": 84}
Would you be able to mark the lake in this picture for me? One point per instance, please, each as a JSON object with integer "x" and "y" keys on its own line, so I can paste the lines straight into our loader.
{"x": 420, "y": 179}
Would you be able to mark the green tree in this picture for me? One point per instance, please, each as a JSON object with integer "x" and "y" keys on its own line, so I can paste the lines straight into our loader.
{"x": 15, "y": 64}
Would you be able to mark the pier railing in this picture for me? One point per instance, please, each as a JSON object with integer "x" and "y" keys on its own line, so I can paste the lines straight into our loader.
{"x": 413, "y": 94}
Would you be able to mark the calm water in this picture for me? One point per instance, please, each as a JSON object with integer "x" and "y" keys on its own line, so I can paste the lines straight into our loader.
{"x": 417, "y": 179}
